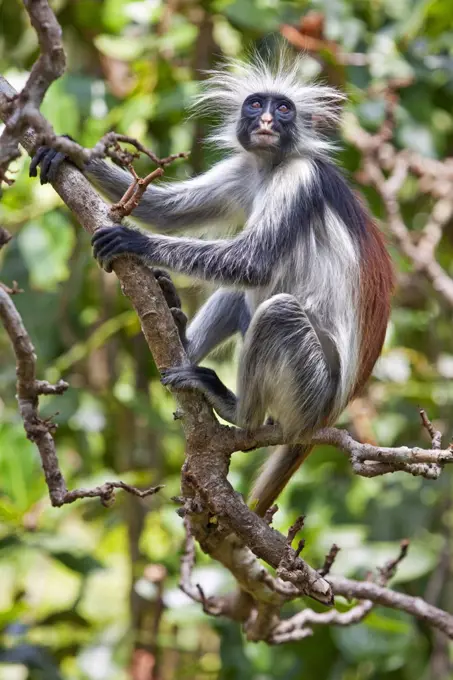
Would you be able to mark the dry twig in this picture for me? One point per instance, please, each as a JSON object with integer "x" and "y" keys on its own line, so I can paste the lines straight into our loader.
{"x": 436, "y": 435}
{"x": 330, "y": 559}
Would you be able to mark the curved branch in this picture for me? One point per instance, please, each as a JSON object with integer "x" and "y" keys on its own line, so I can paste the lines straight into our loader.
{"x": 367, "y": 460}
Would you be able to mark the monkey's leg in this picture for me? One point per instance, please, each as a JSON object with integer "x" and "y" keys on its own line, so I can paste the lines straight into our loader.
{"x": 286, "y": 369}
{"x": 289, "y": 369}
{"x": 224, "y": 314}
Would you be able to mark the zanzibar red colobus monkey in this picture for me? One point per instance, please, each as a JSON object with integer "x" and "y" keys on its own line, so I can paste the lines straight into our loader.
{"x": 308, "y": 280}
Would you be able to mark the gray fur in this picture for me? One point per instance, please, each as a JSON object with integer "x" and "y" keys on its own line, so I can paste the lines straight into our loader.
{"x": 217, "y": 196}
{"x": 284, "y": 370}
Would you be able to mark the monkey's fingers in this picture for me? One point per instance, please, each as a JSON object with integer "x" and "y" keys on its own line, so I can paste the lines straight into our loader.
{"x": 49, "y": 161}
{"x": 181, "y": 377}
{"x": 206, "y": 381}
{"x": 168, "y": 289}
{"x": 180, "y": 320}
{"x": 189, "y": 377}
{"x": 107, "y": 253}
{"x": 36, "y": 160}
{"x": 52, "y": 167}
{"x": 109, "y": 243}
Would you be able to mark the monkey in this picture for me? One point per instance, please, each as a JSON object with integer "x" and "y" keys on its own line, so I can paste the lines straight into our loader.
{"x": 307, "y": 281}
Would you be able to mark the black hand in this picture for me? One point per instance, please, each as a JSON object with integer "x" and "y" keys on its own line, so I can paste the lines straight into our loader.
{"x": 109, "y": 243}
{"x": 49, "y": 161}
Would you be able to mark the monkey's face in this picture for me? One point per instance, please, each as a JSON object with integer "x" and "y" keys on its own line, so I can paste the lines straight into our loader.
{"x": 267, "y": 123}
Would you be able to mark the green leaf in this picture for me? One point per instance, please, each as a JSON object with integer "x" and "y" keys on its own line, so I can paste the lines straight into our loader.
{"x": 121, "y": 47}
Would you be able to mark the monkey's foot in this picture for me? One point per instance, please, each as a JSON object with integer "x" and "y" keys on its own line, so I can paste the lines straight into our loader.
{"x": 109, "y": 243}
{"x": 206, "y": 381}
{"x": 173, "y": 300}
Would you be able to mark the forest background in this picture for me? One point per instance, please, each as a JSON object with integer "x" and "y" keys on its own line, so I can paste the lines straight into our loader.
{"x": 75, "y": 582}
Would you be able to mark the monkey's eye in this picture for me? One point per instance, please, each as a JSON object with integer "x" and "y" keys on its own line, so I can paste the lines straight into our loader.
{"x": 283, "y": 108}
{"x": 255, "y": 104}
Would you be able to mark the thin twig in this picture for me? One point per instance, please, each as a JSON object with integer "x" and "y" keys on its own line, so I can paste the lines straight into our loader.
{"x": 436, "y": 435}
{"x": 329, "y": 560}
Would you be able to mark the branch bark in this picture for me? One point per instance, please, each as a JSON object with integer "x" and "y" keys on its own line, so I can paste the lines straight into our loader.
{"x": 415, "y": 606}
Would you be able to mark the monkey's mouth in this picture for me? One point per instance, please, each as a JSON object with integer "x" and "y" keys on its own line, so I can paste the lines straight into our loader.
{"x": 265, "y": 136}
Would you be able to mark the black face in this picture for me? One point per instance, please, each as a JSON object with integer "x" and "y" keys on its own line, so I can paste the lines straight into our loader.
{"x": 267, "y": 123}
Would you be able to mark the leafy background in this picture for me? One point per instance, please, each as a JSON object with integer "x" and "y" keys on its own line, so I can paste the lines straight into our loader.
{"x": 91, "y": 593}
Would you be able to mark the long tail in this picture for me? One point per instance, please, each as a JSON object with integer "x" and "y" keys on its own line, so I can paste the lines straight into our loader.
{"x": 275, "y": 475}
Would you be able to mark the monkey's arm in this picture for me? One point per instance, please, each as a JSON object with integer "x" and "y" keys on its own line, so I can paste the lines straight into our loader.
{"x": 247, "y": 260}
{"x": 215, "y": 196}
{"x": 212, "y": 197}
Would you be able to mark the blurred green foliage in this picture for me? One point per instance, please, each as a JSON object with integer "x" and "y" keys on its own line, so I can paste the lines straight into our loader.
{"x": 81, "y": 588}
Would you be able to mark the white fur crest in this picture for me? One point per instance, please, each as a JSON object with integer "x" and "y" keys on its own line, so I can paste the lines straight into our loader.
{"x": 227, "y": 87}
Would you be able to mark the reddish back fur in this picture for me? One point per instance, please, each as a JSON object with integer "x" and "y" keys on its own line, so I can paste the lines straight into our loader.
{"x": 377, "y": 282}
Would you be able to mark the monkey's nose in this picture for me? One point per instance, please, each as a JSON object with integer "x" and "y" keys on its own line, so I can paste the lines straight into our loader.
{"x": 267, "y": 119}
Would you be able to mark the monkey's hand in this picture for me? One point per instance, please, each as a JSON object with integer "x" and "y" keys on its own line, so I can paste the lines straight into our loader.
{"x": 173, "y": 300}
{"x": 49, "y": 161}
{"x": 109, "y": 243}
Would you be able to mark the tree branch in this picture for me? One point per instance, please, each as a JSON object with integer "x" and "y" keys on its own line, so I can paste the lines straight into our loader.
{"x": 23, "y": 108}
{"x": 415, "y": 606}
{"x": 367, "y": 460}
{"x": 41, "y": 431}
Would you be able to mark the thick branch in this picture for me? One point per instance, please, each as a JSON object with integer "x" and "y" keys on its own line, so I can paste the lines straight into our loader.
{"x": 262, "y": 621}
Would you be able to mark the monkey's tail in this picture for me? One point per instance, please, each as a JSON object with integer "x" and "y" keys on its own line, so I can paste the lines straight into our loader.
{"x": 275, "y": 475}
